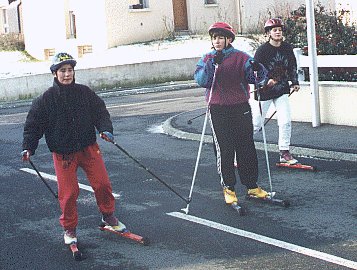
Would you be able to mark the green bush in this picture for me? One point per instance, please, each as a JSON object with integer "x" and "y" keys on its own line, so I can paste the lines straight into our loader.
{"x": 333, "y": 37}
{"x": 11, "y": 42}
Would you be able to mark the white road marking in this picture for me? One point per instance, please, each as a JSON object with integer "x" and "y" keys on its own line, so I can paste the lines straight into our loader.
{"x": 268, "y": 240}
{"x": 54, "y": 178}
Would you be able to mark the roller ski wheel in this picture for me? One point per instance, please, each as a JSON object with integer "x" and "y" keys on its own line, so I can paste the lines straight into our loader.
{"x": 270, "y": 199}
{"x": 77, "y": 255}
{"x": 296, "y": 166}
{"x": 242, "y": 211}
{"x": 126, "y": 234}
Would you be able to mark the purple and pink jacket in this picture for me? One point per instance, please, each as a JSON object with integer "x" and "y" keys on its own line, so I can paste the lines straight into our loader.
{"x": 233, "y": 77}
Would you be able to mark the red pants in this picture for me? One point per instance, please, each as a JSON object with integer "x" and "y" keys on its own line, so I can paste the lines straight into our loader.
{"x": 66, "y": 166}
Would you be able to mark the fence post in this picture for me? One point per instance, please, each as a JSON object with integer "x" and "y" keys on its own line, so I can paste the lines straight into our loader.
{"x": 300, "y": 71}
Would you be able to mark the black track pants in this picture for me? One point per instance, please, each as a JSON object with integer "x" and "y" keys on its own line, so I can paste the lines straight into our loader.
{"x": 233, "y": 133}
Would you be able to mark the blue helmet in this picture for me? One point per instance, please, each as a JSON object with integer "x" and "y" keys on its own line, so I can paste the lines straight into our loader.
{"x": 61, "y": 59}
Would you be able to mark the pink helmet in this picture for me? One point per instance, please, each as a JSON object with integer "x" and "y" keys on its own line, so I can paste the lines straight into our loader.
{"x": 225, "y": 27}
{"x": 271, "y": 23}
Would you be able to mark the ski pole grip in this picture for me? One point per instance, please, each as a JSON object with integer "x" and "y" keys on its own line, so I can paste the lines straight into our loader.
{"x": 107, "y": 136}
{"x": 255, "y": 65}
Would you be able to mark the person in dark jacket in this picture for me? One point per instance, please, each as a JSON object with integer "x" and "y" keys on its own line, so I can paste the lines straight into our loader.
{"x": 68, "y": 115}
{"x": 230, "y": 71}
{"x": 278, "y": 57}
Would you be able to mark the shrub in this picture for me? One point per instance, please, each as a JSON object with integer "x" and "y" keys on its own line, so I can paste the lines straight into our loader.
{"x": 11, "y": 42}
{"x": 333, "y": 37}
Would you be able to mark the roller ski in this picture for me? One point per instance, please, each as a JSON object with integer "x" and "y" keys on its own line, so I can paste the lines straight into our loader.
{"x": 70, "y": 239}
{"x": 260, "y": 195}
{"x": 286, "y": 160}
{"x": 231, "y": 199}
{"x": 112, "y": 225}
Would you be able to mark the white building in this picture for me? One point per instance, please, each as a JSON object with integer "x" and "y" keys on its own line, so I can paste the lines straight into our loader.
{"x": 82, "y": 26}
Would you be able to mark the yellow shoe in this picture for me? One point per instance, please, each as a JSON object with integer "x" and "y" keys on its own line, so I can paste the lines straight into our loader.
{"x": 230, "y": 196}
{"x": 258, "y": 192}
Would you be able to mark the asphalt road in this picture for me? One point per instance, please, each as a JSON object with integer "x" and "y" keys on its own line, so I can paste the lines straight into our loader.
{"x": 318, "y": 230}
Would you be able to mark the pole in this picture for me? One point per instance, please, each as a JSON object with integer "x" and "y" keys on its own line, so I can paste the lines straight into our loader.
{"x": 43, "y": 180}
{"x": 186, "y": 210}
{"x": 313, "y": 71}
{"x": 239, "y": 14}
{"x": 150, "y": 172}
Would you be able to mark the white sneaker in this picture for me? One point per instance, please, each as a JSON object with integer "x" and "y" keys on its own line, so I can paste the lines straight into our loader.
{"x": 70, "y": 237}
{"x": 111, "y": 222}
{"x": 286, "y": 157}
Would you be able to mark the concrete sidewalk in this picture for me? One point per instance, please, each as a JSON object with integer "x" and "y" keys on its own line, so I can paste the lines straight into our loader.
{"x": 326, "y": 141}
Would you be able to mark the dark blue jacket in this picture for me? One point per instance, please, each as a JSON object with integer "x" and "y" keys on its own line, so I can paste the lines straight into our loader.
{"x": 68, "y": 117}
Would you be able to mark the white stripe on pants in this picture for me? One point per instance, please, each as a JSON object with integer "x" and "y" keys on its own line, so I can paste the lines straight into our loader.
{"x": 283, "y": 116}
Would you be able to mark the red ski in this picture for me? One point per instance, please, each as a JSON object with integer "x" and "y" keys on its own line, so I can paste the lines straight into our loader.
{"x": 296, "y": 166}
{"x": 127, "y": 234}
{"x": 77, "y": 255}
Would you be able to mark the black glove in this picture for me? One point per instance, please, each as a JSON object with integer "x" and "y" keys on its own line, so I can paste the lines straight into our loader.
{"x": 255, "y": 65}
{"x": 218, "y": 58}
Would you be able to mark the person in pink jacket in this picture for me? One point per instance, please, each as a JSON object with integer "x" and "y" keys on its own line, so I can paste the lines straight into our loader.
{"x": 229, "y": 110}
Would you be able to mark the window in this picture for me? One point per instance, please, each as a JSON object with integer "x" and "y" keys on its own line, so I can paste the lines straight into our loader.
{"x": 138, "y": 4}
{"x": 5, "y": 22}
{"x": 72, "y": 25}
{"x": 210, "y": 2}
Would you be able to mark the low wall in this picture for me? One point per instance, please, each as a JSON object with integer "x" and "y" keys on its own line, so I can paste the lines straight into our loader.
{"x": 337, "y": 99}
{"x": 337, "y": 103}
{"x": 102, "y": 78}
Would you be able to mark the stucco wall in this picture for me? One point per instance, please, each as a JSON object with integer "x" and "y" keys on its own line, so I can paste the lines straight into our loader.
{"x": 337, "y": 103}
{"x": 104, "y": 77}
{"x": 90, "y": 23}
{"x": 44, "y": 28}
{"x": 201, "y": 16}
{"x": 125, "y": 26}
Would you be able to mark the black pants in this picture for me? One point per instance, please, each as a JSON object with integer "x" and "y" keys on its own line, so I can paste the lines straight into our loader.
{"x": 233, "y": 134}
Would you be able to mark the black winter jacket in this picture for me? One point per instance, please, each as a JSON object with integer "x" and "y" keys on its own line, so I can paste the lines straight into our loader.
{"x": 67, "y": 115}
{"x": 281, "y": 64}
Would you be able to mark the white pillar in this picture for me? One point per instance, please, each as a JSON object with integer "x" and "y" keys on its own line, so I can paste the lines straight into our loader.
{"x": 239, "y": 15}
{"x": 313, "y": 71}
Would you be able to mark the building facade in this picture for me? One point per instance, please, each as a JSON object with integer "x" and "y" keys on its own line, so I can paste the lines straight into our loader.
{"x": 82, "y": 26}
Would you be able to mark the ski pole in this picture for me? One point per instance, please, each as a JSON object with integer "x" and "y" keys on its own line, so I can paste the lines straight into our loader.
{"x": 266, "y": 121}
{"x": 264, "y": 137}
{"x": 201, "y": 141}
{"x": 43, "y": 180}
{"x": 189, "y": 121}
{"x": 150, "y": 172}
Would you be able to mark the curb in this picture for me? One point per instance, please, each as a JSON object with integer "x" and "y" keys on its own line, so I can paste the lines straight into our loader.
{"x": 300, "y": 151}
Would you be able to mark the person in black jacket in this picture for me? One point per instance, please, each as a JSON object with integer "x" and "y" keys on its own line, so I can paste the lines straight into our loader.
{"x": 68, "y": 114}
{"x": 278, "y": 57}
